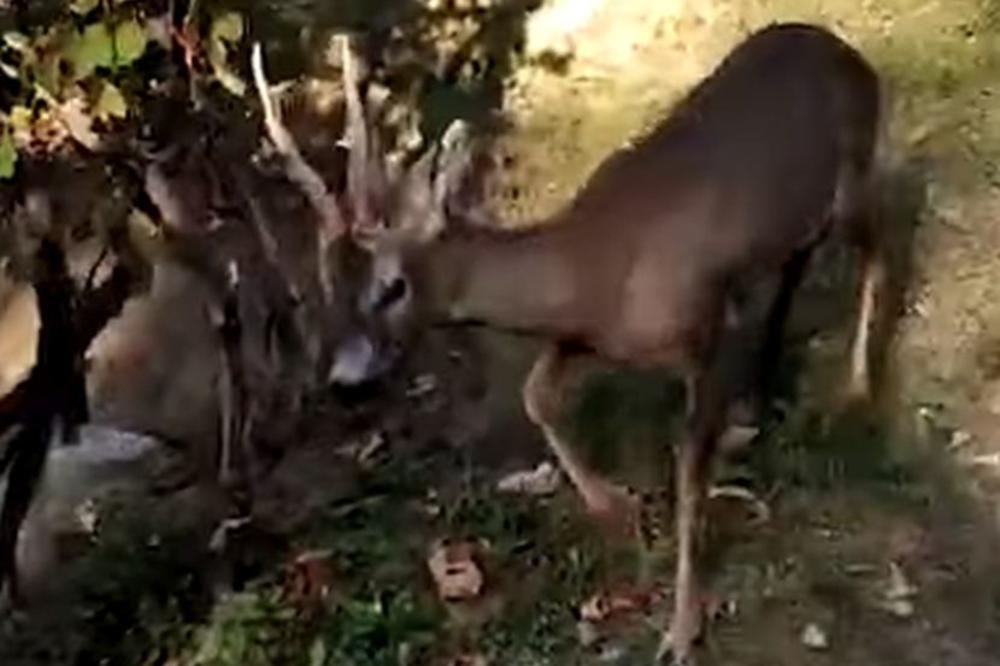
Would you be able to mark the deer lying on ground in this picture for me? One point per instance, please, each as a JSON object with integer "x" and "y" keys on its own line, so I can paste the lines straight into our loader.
{"x": 759, "y": 163}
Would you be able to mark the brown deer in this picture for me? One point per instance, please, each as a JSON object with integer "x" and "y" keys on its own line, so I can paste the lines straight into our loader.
{"x": 752, "y": 169}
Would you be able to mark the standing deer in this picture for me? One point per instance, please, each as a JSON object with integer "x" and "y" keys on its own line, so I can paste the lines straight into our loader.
{"x": 752, "y": 169}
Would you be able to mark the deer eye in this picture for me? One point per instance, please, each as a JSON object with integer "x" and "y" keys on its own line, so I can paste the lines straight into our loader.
{"x": 391, "y": 293}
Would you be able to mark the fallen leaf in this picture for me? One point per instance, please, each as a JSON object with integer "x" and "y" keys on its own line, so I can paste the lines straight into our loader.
{"x": 78, "y": 121}
{"x": 453, "y": 567}
{"x": 899, "y": 586}
{"x": 815, "y": 638}
{"x": 613, "y": 604}
{"x": 898, "y": 593}
{"x": 219, "y": 540}
{"x": 373, "y": 449}
{"x": 737, "y": 437}
{"x": 902, "y": 608}
{"x": 543, "y": 480}
{"x": 309, "y": 580}
{"x": 762, "y": 512}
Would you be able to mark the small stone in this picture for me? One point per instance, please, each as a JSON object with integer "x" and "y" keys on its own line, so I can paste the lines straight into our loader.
{"x": 815, "y": 638}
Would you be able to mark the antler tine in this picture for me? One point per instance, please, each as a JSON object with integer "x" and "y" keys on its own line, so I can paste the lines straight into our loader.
{"x": 360, "y": 168}
{"x": 299, "y": 172}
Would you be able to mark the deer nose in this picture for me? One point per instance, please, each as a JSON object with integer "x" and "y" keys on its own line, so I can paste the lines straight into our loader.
{"x": 352, "y": 362}
{"x": 358, "y": 361}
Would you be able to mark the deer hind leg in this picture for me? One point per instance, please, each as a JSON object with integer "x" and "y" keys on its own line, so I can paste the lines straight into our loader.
{"x": 749, "y": 407}
{"x": 856, "y": 210}
{"x": 606, "y": 501}
{"x": 872, "y": 280}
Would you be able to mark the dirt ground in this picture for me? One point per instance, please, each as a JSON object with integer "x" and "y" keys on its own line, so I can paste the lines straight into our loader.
{"x": 882, "y": 539}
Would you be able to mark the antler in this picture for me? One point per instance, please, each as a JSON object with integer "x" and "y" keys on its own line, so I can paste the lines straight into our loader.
{"x": 434, "y": 181}
{"x": 300, "y": 173}
{"x": 366, "y": 181}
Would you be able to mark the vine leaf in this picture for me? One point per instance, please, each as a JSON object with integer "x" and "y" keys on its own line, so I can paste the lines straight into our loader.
{"x": 130, "y": 42}
{"x": 83, "y": 7}
{"x": 91, "y": 49}
{"x": 111, "y": 103}
{"x": 225, "y": 33}
{"x": 8, "y": 156}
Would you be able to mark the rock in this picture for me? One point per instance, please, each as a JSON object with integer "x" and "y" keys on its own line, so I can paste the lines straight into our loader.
{"x": 78, "y": 479}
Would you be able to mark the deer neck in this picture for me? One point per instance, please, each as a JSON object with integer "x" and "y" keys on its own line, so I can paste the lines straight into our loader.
{"x": 519, "y": 280}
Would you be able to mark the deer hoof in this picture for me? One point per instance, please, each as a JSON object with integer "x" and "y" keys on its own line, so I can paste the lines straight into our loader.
{"x": 686, "y": 631}
{"x": 667, "y": 654}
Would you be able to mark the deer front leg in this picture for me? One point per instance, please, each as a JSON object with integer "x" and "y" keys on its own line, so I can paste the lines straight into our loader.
{"x": 605, "y": 501}
{"x": 693, "y": 469}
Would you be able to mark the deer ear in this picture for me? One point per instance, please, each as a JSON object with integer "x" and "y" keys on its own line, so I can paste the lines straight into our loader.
{"x": 454, "y": 163}
{"x": 432, "y": 193}
{"x": 416, "y": 211}
{"x": 460, "y": 181}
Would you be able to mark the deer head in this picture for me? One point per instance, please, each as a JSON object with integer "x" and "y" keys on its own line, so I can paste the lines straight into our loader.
{"x": 396, "y": 213}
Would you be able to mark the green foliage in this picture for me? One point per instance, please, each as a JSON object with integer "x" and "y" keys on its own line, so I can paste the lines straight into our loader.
{"x": 249, "y": 629}
{"x": 130, "y": 40}
{"x": 111, "y": 103}
{"x": 83, "y": 7}
{"x": 91, "y": 49}
{"x": 387, "y": 628}
{"x": 87, "y": 65}
{"x": 224, "y": 37}
{"x": 8, "y": 156}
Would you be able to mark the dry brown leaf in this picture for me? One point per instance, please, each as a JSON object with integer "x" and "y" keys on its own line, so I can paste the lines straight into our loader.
{"x": 309, "y": 580}
{"x": 612, "y": 604}
{"x": 456, "y": 573}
